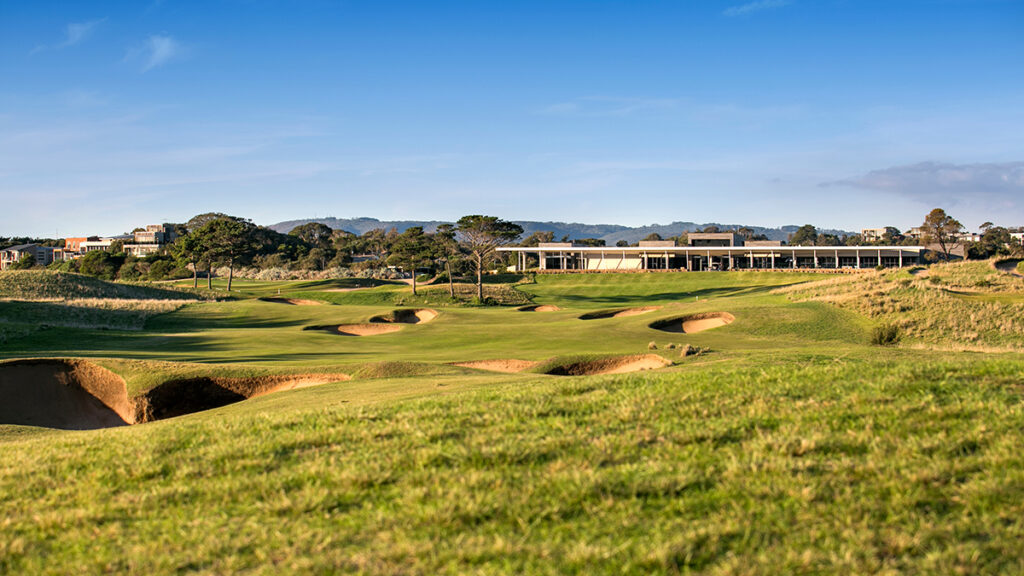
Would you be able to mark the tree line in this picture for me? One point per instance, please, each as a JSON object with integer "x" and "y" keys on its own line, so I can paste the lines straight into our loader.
{"x": 214, "y": 240}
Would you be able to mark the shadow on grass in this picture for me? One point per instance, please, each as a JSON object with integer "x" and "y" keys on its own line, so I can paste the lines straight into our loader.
{"x": 148, "y": 346}
{"x": 704, "y": 294}
{"x": 194, "y": 321}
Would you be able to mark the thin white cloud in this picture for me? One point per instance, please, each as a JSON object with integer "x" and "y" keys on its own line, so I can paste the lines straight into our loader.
{"x": 945, "y": 182}
{"x": 757, "y": 6}
{"x": 74, "y": 33}
{"x": 159, "y": 50}
{"x": 607, "y": 106}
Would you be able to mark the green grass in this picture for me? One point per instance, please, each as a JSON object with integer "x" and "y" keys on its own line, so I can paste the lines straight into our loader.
{"x": 838, "y": 467}
{"x": 791, "y": 445}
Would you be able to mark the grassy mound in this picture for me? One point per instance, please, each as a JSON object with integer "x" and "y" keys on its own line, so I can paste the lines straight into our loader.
{"x": 48, "y": 285}
{"x": 967, "y": 305}
{"x": 794, "y": 467}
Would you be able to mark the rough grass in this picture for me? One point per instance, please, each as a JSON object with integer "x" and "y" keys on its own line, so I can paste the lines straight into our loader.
{"x": 842, "y": 467}
{"x": 967, "y": 304}
{"x": 48, "y": 285}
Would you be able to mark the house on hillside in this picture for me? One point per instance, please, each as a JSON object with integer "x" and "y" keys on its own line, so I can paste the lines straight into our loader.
{"x": 872, "y": 234}
{"x": 150, "y": 240}
{"x": 43, "y": 255}
{"x": 73, "y": 246}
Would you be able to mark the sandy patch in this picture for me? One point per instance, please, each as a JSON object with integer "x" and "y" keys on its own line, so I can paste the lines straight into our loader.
{"x": 64, "y": 394}
{"x": 189, "y": 395}
{"x": 406, "y": 316}
{"x": 613, "y": 365}
{"x": 357, "y": 329}
{"x": 79, "y": 395}
{"x": 506, "y": 365}
{"x": 694, "y": 323}
{"x": 292, "y": 301}
{"x": 619, "y": 313}
{"x": 540, "y": 308}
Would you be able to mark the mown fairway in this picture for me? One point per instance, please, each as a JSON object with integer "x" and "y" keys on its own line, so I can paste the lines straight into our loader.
{"x": 791, "y": 444}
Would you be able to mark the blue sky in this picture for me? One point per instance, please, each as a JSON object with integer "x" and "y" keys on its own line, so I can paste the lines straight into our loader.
{"x": 843, "y": 114}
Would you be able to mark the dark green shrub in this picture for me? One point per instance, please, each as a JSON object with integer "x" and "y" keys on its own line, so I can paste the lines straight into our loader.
{"x": 885, "y": 335}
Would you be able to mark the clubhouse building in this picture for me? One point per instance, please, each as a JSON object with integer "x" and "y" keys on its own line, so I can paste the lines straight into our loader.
{"x": 710, "y": 251}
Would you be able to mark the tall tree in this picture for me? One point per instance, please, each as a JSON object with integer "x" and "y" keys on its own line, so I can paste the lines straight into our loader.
{"x": 228, "y": 240}
{"x": 189, "y": 250}
{"x": 447, "y": 250}
{"x": 892, "y": 236}
{"x": 806, "y": 235}
{"x": 413, "y": 249}
{"x": 199, "y": 220}
{"x": 314, "y": 233}
{"x": 482, "y": 235}
{"x": 536, "y": 238}
{"x": 942, "y": 229}
{"x": 378, "y": 242}
{"x": 995, "y": 241}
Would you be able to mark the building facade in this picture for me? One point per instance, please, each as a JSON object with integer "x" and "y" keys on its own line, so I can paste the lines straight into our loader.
{"x": 720, "y": 251}
{"x": 43, "y": 255}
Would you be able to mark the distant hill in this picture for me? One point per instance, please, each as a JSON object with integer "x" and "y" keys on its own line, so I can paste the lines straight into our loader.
{"x": 610, "y": 233}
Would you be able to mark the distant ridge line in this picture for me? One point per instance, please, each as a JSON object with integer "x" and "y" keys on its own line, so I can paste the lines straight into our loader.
{"x": 610, "y": 233}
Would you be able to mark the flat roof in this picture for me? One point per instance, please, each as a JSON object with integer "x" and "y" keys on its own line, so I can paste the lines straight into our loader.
{"x": 787, "y": 248}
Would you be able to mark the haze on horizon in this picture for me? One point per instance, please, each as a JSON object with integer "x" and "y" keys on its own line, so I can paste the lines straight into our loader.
{"x": 767, "y": 112}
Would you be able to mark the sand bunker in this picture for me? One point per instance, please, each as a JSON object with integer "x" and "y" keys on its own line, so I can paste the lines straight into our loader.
{"x": 79, "y": 395}
{"x": 406, "y": 316}
{"x": 506, "y": 365}
{"x": 612, "y": 365}
{"x": 357, "y": 329}
{"x": 619, "y": 313}
{"x": 539, "y": 308}
{"x": 292, "y": 301}
{"x": 185, "y": 396}
{"x": 694, "y": 323}
{"x": 64, "y": 394}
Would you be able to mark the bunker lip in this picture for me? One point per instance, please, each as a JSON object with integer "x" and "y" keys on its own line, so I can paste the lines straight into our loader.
{"x": 609, "y": 365}
{"x": 406, "y": 316}
{"x": 618, "y": 313}
{"x": 357, "y": 329}
{"x": 291, "y": 301}
{"x": 506, "y": 365}
{"x": 70, "y": 394}
{"x": 539, "y": 308}
{"x": 693, "y": 323}
{"x": 189, "y": 395}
